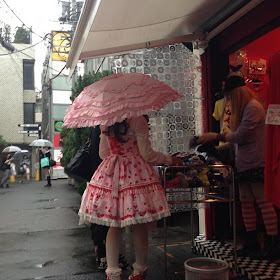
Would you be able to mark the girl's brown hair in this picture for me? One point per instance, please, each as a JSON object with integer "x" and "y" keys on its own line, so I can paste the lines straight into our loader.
{"x": 118, "y": 130}
{"x": 239, "y": 98}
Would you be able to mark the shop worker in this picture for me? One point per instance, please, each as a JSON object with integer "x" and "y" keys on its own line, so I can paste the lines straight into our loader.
{"x": 248, "y": 134}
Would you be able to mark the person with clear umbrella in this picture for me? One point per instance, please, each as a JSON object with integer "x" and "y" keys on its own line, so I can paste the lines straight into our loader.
{"x": 45, "y": 156}
{"x": 6, "y": 165}
{"x": 25, "y": 165}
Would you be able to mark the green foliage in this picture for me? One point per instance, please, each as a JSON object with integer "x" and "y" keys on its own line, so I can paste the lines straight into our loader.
{"x": 86, "y": 80}
{"x": 74, "y": 138}
{"x": 81, "y": 187}
{"x": 2, "y": 141}
{"x": 22, "y": 35}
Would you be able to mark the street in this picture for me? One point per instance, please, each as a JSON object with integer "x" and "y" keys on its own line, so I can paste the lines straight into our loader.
{"x": 40, "y": 238}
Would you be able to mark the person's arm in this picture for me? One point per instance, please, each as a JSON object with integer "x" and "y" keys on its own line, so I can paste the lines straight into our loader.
{"x": 141, "y": 129}
{"x": 252, "y": 116}
{"x": 8, "y": 160}
{"x": 104, "y": 149}
{"x": 224, "y": 146}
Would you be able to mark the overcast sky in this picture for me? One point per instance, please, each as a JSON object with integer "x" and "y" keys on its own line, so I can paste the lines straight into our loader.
{"x": 41, "y": 15}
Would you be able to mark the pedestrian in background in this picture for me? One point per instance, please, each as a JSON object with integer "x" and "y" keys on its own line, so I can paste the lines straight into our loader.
{"x": 6, "y": 165}
{"x": 46, "y": 153}
{"x": 25, "y": 165}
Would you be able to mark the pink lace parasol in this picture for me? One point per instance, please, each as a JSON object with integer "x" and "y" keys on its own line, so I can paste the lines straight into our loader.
{"x": 117, "y": 97}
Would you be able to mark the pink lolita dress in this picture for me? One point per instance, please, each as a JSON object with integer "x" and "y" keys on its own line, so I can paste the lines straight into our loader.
{"x": 125, "y": 189}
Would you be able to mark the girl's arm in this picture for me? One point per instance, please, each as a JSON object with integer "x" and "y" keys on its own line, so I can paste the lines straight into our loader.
{"x": 141, "y": 129}
{"x": 104, "y": 149}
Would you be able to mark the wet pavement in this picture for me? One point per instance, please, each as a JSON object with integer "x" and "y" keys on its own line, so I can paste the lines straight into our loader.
{"x": 40, "y": 238}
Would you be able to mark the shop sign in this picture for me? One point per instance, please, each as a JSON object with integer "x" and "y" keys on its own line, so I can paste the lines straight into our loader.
{"x": 60, "y": 45}
{"x": 58, "y": 126}
{"x": 273, "y": 114}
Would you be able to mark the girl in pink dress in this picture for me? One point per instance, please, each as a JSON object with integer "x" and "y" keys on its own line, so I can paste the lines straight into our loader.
{"x": 125, "y": 191}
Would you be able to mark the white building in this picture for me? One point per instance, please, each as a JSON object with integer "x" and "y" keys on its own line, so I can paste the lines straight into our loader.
{"x": 17, "y": 93}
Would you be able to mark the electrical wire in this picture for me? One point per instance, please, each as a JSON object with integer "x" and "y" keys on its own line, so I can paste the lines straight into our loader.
{"x": 30, "y": 29}
{"x": 58, "y": 73}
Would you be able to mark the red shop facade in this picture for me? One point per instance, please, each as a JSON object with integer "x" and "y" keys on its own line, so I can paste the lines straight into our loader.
{"x": 251, "y": 41}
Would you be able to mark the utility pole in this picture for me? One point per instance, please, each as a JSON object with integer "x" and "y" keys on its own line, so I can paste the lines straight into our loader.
{"x": 50, "y": 101}
{"x": 73, "y": 16}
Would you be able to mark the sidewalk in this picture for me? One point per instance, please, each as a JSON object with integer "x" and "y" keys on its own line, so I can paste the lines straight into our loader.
{"x": 39, "y": 232}
{"x": 40, "y": 238}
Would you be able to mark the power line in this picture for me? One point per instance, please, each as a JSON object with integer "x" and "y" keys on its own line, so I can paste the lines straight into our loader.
{"x": 30, "y": 29}
{"x": 58, "y": 73}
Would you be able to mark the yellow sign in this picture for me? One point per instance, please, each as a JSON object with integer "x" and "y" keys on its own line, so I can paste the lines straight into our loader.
{"x": 61, "y": 45}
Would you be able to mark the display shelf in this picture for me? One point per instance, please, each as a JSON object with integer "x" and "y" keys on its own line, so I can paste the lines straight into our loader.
{"x": 198, "y": 186}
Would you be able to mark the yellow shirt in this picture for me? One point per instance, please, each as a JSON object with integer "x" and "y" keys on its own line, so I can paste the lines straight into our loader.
{"x": 218, "y": 109}
{"x": 222, "y": 113}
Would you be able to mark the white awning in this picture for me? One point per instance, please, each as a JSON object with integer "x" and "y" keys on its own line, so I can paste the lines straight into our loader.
{"x": 108, "y": 27}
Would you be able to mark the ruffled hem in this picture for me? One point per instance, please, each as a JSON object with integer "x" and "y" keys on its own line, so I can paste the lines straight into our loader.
{"x": 91, "y": 117}
{"x": 146, "y": 95}
{"x": 85, "y": 219}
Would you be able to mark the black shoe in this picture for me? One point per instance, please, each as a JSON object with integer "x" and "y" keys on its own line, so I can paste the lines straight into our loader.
{"x": 103, "y": 263}
{"x": 48, "y": 185}
{"x": 251, "y": 247}
{"x": 271, "y": 250}
{"x": 253, "y": 251}
{"x": 123, "y": 264}
{"x": 7, "y": 186}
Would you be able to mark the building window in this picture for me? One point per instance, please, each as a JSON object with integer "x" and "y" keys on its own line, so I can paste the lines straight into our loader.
{"x": 38, "y": 108}
{"x": 28, "y": 74}
{"x": 29, "y": 114}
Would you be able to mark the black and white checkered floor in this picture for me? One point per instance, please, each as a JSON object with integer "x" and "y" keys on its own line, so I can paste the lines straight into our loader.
{"x": 252, "y": 269}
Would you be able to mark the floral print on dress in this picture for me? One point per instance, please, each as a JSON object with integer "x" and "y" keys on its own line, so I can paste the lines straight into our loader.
{"x": 124, "y": 190}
